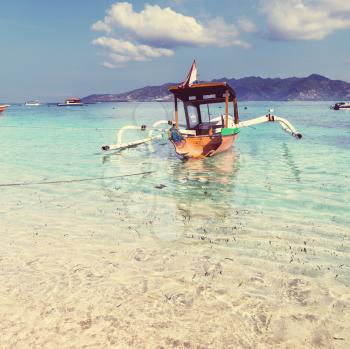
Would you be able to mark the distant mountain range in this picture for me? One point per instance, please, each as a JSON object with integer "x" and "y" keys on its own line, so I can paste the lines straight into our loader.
{"x": 312, "y": 88}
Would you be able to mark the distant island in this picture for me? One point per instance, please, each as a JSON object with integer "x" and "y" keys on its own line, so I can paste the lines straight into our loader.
{"x": 312, "y": 88}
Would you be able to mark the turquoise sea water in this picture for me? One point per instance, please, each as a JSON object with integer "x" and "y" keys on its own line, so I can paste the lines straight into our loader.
{"x": 261, "y": 231}
{"x": 266, "y": 170}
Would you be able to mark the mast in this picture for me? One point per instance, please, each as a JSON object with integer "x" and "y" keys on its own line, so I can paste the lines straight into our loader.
{"x": 235, "y": 109}
{"x": 176, "y": 113}
{"x": 227, "y": 94}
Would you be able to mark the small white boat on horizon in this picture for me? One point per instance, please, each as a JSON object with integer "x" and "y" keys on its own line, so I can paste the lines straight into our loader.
{"x": 341, "y": 105}
{"x": 33, "y": 103}
{"x": 72, "y": 101}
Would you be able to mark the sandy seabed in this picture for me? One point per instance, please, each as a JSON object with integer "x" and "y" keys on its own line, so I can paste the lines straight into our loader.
{"x": 75, "y": 275}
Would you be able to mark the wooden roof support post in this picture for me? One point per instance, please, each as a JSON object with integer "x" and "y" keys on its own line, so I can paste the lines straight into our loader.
{"x": 176, "y": 114}
{"x": 235, "y": 109}
{"x": 227, "y": 94}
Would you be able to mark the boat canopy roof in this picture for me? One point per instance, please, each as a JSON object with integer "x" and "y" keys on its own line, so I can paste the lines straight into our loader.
{"x": 204, "y": 93}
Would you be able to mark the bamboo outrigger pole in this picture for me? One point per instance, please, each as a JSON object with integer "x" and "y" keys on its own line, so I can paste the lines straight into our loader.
{"x": 285, "y": 124}
{"x": 120, "y": 145}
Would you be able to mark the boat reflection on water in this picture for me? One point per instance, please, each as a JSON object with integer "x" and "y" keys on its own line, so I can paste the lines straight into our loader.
{"x": 207, "y": 206}
{"x": 207, "y": 176}
{"x": 178, "y": 199}
{"x": 181, "y": 177}
{"x": 287, "y": 155}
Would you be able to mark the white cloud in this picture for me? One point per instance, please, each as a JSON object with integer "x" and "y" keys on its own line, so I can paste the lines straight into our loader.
{"x": 154, "y": 31}
{"x": 165, "y": 27}
{"x": 101, "y": 26}
{"x": 305, "y": 19}
{"x": 109, "y": 65}
{"x": 247, "y": 25}
{"x": 121, "y": 51}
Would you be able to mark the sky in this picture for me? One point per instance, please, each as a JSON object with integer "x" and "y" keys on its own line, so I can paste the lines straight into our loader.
{"x": 54, "y": 49}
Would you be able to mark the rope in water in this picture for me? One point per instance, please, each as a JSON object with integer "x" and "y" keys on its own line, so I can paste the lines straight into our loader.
{"x": 74, "y": 180}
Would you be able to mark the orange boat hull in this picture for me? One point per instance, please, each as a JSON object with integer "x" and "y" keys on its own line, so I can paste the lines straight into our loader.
{"x": 203, "y": 146}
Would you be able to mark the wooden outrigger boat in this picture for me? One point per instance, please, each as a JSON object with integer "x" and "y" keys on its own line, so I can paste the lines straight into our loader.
{"x": 204, "y": 134}
{"x": 3, "y": 107}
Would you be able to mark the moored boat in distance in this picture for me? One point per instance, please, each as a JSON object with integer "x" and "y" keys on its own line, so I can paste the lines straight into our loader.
{"x": 32, "y": 103}
{"x": 72, "y": 101}
{"x": 3, "y": 107}
{"x": 341, "y": 105}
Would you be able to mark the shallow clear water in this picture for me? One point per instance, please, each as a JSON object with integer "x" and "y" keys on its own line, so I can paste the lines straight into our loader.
{"x": 266, "y": 170}
{"x": 272, "y": 203}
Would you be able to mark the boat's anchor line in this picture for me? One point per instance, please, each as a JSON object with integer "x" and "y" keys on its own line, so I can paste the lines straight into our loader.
{"x": 120, "y": 145}
{"x": 21, "y": 184}
{"x": 285, "y": 124}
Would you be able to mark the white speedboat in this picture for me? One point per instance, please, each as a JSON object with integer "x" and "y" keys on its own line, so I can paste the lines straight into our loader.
{"x": 33, "y": 103}
{"x": 341, "y": 105}
{"x": 73, "y": 101}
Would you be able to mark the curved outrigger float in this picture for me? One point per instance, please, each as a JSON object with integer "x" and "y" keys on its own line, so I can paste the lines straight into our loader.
{"x": 204, "y": 135}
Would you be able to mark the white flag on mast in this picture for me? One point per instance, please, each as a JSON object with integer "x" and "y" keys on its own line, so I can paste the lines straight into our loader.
{"x": 191, "y": 76}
